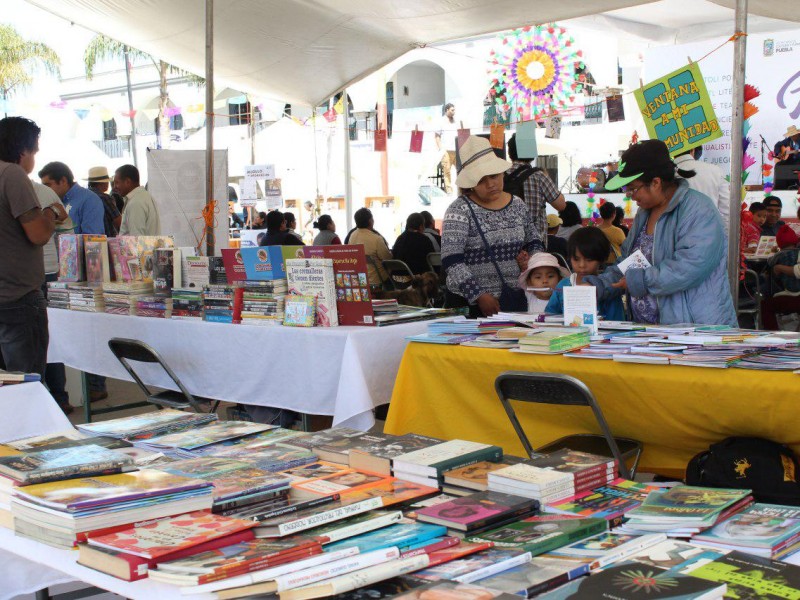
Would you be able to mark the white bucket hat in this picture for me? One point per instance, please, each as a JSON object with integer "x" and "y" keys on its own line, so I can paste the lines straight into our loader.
{"x": 477, "y": 161}
{"x": 540, "y": 259}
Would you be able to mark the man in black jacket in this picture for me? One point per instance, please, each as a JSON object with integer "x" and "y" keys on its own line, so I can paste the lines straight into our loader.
{"x": 413, "y": 246}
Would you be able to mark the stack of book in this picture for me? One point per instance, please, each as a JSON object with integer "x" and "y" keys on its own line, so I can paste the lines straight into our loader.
{"x": 685, "y": 510}
{"x": 218, "y": 303}
{"x": 121, "y": 298}
{"x": 768, "y": 530}
{"x": 58, "y": 294}
{"x": 62, "y": 513}
{"x": 588, "y": 471}
{"x": 478, "y": 512}
{"x": 130, "y": 553}
{"x": 187, "y": 304}
{"x": 260, "y": 302}
{"x": 85, "y": 298}
{"x": 603, "y": 549}
{"x": 41, "y": 466}
{"x": 154, "y": 306}
{"x": 378, "y": 457}
{"x": 427, "y": 466}
{"x": 467, "y": 480}
{"x": 553, "y": 340}
{"x": 147, "y": 425}
{"x": 182, "y": 444}
{"x": 610, "y": 502}
{"x": 249, "y": 444}
{"x": 385, "y": 306}
{"x": 12, "y": 377}
{"x": 532, "y": 482}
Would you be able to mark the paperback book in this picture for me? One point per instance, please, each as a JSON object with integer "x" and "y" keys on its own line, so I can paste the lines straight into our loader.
{"x": 300, "y": 311}
{"x": 63, "y": 463}
{"x": 377, "y": 457}
{"x": 315, "y": 277}
{"x": 98, "y": 269}
{"x": 70, "y": 257}
{"x": 477, "y": 510}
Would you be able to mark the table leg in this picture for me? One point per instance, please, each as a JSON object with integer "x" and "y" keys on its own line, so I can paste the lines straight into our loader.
{"x": 43, "y": 594}
{"x": 305, "y": 421}
{"x": 87, "y": 401}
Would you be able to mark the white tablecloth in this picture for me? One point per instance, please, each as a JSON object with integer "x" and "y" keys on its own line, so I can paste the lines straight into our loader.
{"x": 339, "y": 371}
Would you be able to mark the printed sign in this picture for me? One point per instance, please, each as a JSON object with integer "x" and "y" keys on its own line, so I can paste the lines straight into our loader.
{"x": 249, "y": 195}
{"x": 677, "y": 110}
{"x": 259, "y": 171}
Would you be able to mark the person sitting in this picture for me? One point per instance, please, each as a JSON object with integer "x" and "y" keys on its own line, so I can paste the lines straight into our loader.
{"x": 540, "y": 279}
{"x": 234, "y": 220}
{"x": 554, "y": 242}
{"x": 752, "y": 219}
{"x": 413, "y": 246}
{"x": 431, "y": 231}
{"x": 615, "y": 235}
{"x": 375, "y": 246}
{"x": 773, "y": 206}
{"x": 786, "y": 269}
{"x": 327, "y": 232}
{"x": 619, "y": 220}
{"x": 276, "y": 232}
{"x": 486, "y": 235}
{"x": 687, "y": 281}
{"x": 570, "y": 220}
{"x": 588, "y": 249}
{"x": 291, "y": 224}
{"x": 260, "y": 220}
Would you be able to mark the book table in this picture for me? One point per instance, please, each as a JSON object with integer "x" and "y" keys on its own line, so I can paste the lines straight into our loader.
{"x": 676, "y": 411}
{"x": 340, "y": 371}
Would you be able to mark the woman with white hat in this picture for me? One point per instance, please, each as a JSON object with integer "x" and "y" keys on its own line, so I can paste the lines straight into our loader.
{"x": 486, "y": 234}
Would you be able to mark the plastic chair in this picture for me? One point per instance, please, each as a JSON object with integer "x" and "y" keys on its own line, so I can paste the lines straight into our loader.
{"x": 127, "y": 350}
{"x": 556, "y": 388}
{"x": 400, "y": 274}
{"x": 750, "y": 302}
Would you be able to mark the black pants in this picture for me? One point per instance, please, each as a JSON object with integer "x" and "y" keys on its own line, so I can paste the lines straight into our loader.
{"x": 24, "y": 335}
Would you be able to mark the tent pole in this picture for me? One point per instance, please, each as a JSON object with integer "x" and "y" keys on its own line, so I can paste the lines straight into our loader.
{"x": 737, "y": 127}
{"x": 348, "y": 175}
{"x": 130, "y": 107}
{"x": 210, "y": 122}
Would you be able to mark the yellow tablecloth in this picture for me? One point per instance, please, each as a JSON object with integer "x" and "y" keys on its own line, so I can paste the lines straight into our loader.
{"x": 448, "y": 392}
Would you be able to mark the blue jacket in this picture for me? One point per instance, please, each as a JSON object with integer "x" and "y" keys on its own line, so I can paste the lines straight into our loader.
{"x": 610, "y": 308}
{"x": 689, "y": 276}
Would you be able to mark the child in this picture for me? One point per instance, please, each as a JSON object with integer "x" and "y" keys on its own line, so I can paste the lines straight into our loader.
{"x": 542, "y": 274}
{"x": 588, "y": 249}
{"x": 752, "y": 227}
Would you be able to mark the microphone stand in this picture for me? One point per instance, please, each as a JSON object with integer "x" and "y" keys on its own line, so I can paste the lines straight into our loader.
{"x": 763, "y": 143}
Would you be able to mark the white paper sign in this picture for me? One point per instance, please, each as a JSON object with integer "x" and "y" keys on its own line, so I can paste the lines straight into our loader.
{"x": 637, "y": 260}
{"x": 248, "y": 191}
{"x": 250, "y": 238}
{"x": 273, "y": 194}
{"x": 259, "y": 171}
{"x": 580, "y": 307}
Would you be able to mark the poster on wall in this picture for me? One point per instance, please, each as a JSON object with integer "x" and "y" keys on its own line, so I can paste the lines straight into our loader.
{"x": 677, "y": 110}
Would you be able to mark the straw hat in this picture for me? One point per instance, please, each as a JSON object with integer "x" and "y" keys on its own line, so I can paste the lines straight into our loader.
{"x": 98, "y": 175}
{"x": 791, "y": 131}
{"x": 553, "y": 221}
{"x": 477, "y": 161}
{"x": 540, "y": 259}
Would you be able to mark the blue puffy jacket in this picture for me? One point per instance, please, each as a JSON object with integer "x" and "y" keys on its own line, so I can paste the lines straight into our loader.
{"x": 689, "y": 276}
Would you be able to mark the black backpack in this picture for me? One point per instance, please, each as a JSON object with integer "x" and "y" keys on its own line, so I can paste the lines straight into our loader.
{"x": 514, "y": 182}
{"x": 768, "y": 468}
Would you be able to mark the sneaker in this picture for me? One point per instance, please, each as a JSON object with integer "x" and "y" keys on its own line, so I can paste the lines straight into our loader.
{"x": 95, "y": 395}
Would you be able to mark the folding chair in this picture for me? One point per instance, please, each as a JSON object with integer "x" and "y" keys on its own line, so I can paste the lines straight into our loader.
{"x": 750, "y": 302}
{"x": 128, "y": 351}
{"x": 435, "y": 261}
{"x": 556, "y": 388}
{"x": 400, "y": 274}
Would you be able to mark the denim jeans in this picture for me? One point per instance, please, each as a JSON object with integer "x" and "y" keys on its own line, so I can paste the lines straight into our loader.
{"x": 55, "y": 375}
{"x": 24, "y": 335}
{"x": 271, "y": 416}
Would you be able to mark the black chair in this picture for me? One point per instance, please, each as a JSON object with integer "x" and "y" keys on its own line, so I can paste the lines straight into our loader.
{"x": 128, "y": 351}
{"x": 434, "y": 260}
{"x": 556, "y": 388}
{"x": 400, "y": 274}
{"x": 750, "y": 301}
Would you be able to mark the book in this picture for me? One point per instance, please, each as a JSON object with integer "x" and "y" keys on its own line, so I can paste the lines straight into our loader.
{"x": 353, "y": 296}
{"x": 767, "y": 246}
{"x": 70, "y": 257}
{"x": 263, "y": 263}
{"x": 234, "y": 266}
{"x": 314, "y": 277}
{"x": 129, "y": 258}
{"x": 749, "y": 576}
{"x": 687, "y": 504}
{"x": 765, "y": 530}
{"x": 542, "y": 533}
{"x": 477, "y": 510}
{"x": 610, "y": 501}
{"x": 338, "y": 451}
{"x": 606, "y": 548}
{"x": 166, "y": 271}
{"x": 636, "y": 260}
{"x": 216, "y": 271}
{"x": 363, "y": 523}
{"x": 146, "y": 245}
{"x": 401, "y": 535}
{"x": 212, "y": 433}
{"x": 313, "y": 517}
{"x": 434, "y": 460}
{"x": 472, "y": 568}
{"x": 580, "y": 307}
{"x": 164, "y": 536}
{"x": 393, "y": 492}
{"x": 342, "y": 483}
{"x": 300, "y": 311}
{"x": 476, "y": 476}
{"x": 132, "y": 567}
{"x": 42, "y": 441}
{"x": 408, "y": 587}
{"x": 675, "y": 555}
{"x": 63, "y": 463}
{"x": 534, "y": 577}
{"x": 197, "y": 274}
{"x": 148, "y": 424}
{"x": 631, "y": 579}
{"x": 581, "y": 465}
{"x": 377, "y": 457}
{"x": 98, "y": 269}
{"x": 7, "y": 377}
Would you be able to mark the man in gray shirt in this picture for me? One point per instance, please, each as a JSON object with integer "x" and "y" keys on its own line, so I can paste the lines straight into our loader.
{"x": 140, "y": 215}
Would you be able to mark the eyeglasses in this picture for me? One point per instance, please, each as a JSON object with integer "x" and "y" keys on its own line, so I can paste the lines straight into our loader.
{"x": 634, "y": 190}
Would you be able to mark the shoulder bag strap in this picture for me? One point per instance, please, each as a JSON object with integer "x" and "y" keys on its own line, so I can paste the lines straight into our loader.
{"x": 489, "y": 249}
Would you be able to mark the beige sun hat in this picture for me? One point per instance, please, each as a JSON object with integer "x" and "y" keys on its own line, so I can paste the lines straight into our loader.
{"x": 98, "y": 175}
{"x": 477, "y": 161}
{"x": 791, "y": 131}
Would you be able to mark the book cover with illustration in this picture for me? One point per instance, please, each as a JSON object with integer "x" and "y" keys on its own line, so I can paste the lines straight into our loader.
{"x": 542, "y": 533}
{"x": 216, "y": 271}
{"x": 477, "y": 510}
{"x": 62, "y": 463}
{"x": 394, "y": 492}
{"x": 535, "y": 577}
{"x": 236, "y": 482}
{"x": 685, "y": 502}
{"x": 213, "y": 433}
{"x": 146, "y": 246}
{"x": 249, "y": 444}
{"x": 98, "y": 269}
{"x": 341, "y": 483}
{"x": 353, "y": 296}
{"x": 472, "y": 568}
{"x": 129, "y": 258}
{"x": 476, "y": 476}
{"x": 152, "y": 539}
{"x": 315, "y": 277}
{"x": 70, "y": 257}
{"x": 114, "y": 256}
{"x": 167, "y": 271}
{"x": 300, "y": 311}
{"x": 197, "y": 276}
{"x": 377, "y": 457}
{"x": 314, "y": 471}
{"x": 606, "y": 548}
{"x": 400, "y": 535}
{"x": 131, "y": 427}
{"x": 580, "y": 464}
{"x": 749, "y": 576}
{"x": 234, "y": 266}
{"x": 606, "y": 501}
{"x": 263, "y": 263}
{"x": 764, "y": 526}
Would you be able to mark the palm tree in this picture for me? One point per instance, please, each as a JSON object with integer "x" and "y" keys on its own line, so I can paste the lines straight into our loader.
{"x": 19, "y": 58}
{"x": 102, "y": 48}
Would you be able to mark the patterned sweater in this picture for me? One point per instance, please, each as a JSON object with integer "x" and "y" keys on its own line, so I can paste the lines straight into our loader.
{"x": 469, "y": 267}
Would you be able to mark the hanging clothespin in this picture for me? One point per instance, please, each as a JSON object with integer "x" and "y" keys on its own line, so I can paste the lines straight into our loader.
{"x": 641, "y": 85}
{"x": 416, "y": 127}
{"x": 689, "y": 58}
{"x": 461, "y": 123}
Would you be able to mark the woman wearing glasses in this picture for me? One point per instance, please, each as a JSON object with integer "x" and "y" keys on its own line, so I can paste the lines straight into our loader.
{"x": 680, "y": 232}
